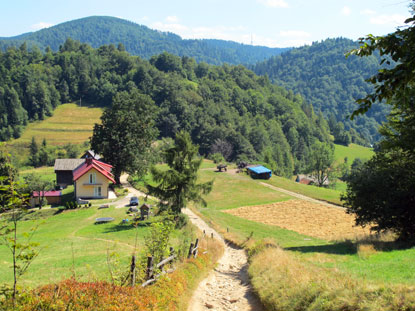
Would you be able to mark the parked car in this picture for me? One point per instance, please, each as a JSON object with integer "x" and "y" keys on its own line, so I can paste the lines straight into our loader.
{"x": 134, "y": 201}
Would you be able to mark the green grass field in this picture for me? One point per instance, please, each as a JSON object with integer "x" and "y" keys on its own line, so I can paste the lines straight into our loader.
{"x": 71, "y": 239}
{"x": 45, "y": 173}
{"x": 352, "y": 152}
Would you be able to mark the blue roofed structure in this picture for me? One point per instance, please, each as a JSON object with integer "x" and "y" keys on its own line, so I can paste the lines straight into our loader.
{"x": 259, "y": 171}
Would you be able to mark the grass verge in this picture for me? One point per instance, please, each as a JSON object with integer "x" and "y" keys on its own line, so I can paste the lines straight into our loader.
{"x": 285, "y": 283}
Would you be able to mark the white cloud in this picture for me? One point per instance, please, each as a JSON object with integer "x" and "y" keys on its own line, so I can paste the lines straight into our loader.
{"x": 346, "y": 11}
{"x": 294, "y": 33}
{"x": 171, "y": 27}
{"x": 368, "y": 12}
{"x": 286, "y": 38}
{"x": 41, "y": 25}
{"x": 274, "y": 3}
{"x": 172, "y": 19}
{"x": 392, "y": 19}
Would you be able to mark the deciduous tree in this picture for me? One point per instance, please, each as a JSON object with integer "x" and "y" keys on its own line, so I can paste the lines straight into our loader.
{"x": 126, "y": 132}
{"x": 382, "y": 193}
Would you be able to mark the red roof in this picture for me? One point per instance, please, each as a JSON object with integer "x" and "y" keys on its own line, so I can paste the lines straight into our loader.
{"x": 103, "y": 168}
{"x": 53, "y": 193}
{"x": 305, "y": 181}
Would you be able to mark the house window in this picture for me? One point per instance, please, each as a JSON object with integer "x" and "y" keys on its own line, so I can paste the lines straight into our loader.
{"x": 92, "y": 178}
{"x": 97, "y": 192}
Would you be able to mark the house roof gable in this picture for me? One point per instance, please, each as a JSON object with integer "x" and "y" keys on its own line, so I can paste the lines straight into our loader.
{"x": 101, "y": 167}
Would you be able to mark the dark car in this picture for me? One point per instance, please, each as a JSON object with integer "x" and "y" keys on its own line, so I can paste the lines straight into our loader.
{"x": 134, "y": 201}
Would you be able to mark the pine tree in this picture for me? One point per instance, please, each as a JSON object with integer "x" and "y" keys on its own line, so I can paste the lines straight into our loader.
{"x": 34, "y": 153}
{"x": 177, "y": 186}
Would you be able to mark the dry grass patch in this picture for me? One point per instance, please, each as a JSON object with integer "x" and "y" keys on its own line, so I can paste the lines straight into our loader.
{"x": 283, "y": 282}
{"x": 306, "y": 218}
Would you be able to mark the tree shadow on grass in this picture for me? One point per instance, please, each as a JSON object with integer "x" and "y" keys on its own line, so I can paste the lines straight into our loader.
{"x": 338, "y": 248}
{"x": 350, "y": 247}
{"x": 125, "y": 227}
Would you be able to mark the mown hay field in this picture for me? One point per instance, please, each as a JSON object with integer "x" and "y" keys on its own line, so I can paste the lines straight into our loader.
{"x": 69, "y": 124}
{"x": 304, "y": 217}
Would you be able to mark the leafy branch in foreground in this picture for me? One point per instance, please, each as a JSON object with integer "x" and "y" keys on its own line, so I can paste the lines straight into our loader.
{"x": 21, "y": 246}
{"x": 381, "y": 194}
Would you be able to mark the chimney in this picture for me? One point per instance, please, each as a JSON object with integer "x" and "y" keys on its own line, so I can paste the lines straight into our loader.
{"x": 88, "y": 161}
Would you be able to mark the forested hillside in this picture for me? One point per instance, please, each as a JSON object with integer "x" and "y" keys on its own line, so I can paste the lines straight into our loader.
{"x": 226, "y": 108}
{"x": 140, "y": 40}
{"x": 330, "y": 82}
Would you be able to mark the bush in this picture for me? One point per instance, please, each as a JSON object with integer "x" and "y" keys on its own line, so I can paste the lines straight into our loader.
{"x": 216, "y": 158}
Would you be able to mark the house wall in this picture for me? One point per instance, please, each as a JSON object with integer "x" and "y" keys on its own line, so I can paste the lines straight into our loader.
{"x": 64, "y": 178}
{"x": 85, "y": 190}
{"x": 34, "y": 201}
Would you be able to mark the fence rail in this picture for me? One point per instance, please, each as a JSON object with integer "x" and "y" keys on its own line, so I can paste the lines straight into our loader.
{"x": 151, "y": 267}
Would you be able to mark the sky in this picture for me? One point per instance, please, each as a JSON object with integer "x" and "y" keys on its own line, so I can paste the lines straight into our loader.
{"x": 273, "y": 23}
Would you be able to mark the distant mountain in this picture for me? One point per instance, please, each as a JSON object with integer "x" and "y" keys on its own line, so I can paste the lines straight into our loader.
{"x": 141, "y": 40}
{"x": 329, "y": 81}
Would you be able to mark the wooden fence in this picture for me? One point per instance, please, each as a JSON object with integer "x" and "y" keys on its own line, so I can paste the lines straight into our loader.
{"x": 151, "y": 277}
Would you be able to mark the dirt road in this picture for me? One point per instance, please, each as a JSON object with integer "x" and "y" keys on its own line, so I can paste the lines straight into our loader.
{"x": 131, "y": 192}
{"x": 300, "y": 196}
{"x": 227, "y": 286}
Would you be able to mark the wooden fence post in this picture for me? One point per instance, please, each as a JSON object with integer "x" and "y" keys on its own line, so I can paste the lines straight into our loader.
{"x": 132, "y": 271}
{"x": 195, "y": 249}
{"x": 149, "y": 272}
{"x": 190, "y": 251}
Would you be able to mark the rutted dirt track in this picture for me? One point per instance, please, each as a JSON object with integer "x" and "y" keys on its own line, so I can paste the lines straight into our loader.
{"x": 227, "y": 286}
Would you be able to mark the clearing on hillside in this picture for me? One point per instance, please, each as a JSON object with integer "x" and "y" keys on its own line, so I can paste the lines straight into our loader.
{"x": 304, "y": 217}
{"x": 69, "y": 124}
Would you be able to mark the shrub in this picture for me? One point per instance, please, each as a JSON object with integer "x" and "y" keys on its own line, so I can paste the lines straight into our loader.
{"x": 216, "y": 158}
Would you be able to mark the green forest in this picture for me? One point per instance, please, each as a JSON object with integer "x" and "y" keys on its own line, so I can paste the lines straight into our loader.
{"x": 332, "y": 83}
{"x": 226, "y": 109}
{"x": 141, "y": 40}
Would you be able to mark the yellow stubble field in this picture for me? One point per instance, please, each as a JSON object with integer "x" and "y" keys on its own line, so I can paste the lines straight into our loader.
{"x": 316, "y": 220}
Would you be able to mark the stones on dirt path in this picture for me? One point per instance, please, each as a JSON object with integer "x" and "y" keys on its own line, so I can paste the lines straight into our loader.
{"x": 208, "y": 305}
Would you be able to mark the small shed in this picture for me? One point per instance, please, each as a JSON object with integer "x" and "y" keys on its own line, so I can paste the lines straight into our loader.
{"x": 259, "y": 171}
{"x": 144, "y": 211}
{"x": 52, "y": 197}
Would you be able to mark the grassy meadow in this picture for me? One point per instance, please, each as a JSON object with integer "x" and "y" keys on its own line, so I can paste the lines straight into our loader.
{"x": 68, "y": 124}
{"x": 71, "y": 241}
{"x": 352, "y": 152}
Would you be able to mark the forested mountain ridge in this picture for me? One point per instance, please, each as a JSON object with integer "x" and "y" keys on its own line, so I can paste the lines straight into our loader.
{"x": 226, "y": 109}
{"x": 141, "y": 40}
{"x": 329, "y": 81}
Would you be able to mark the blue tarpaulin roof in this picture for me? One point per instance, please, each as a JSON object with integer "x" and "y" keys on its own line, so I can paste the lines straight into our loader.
{"x": 259, "y": 169}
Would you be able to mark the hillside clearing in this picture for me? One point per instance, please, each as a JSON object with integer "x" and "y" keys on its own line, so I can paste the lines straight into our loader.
{"x": 352, "y": 152}
{"x": 69, "y": 124}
